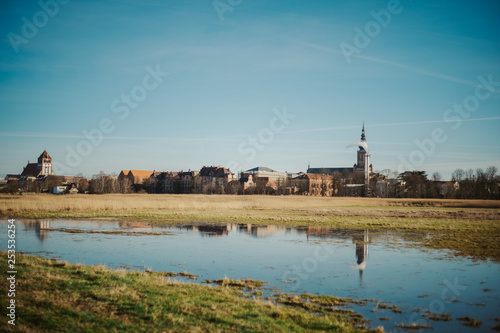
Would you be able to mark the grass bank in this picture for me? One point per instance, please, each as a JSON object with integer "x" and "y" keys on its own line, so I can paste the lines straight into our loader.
{"x": 54, "y": 296}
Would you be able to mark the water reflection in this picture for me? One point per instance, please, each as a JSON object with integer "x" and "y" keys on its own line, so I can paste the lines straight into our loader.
{"x": 213, "y": 230}
{"x": 361, "y": 240}
{"x": 262, "y": 230}
{"x": 41, "y": 228}
{"x": 359, "y": 237}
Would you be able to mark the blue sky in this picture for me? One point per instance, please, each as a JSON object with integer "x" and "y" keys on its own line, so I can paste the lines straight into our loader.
{"x": 230, "y": 74}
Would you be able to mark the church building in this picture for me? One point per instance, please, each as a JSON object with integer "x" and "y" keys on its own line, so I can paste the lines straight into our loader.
{"x": 40, "y": 169}
{"x": 362, "y": 151}
{"x": 358, "y": 167}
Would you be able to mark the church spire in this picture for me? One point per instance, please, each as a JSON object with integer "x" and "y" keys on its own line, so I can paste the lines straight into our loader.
{"x": 363, "y": 135}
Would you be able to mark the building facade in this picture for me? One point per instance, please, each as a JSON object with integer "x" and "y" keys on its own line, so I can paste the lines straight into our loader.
{"x": 314, "y": 184}
{"x": 216, "y": 176}
{"x": 166, "y": 181}
{"x": 188, "y": 182}
{"x": 278, "y": 177}
{"x": 42, "y": 168}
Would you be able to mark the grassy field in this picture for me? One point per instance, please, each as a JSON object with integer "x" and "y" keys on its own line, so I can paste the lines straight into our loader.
{"x": 55, "y": 296}
{"x": 470, "y": 227}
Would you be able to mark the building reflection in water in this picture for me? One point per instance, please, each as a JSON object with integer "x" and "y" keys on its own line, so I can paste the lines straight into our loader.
{"x": 359, "y": 237}
{"x": 41, "y": 228}
{"x": 204, "y": 230}
{"x": 210, "y": 230}
{"x": 263, "y": 230}
{"x": 215, "y": 230}
{"x": 361, "y": 240}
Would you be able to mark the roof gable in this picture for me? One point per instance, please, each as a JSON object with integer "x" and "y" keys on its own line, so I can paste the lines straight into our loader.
{"x": 140, "y": 173}
{"x": 44, "y": 155}
{"x": 31, "y": 170}
{"x": 261, "y": 169}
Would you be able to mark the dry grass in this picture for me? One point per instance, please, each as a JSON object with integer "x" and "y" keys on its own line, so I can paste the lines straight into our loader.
{"x": 15, "y": 205}
{"x": 121, "y": 202}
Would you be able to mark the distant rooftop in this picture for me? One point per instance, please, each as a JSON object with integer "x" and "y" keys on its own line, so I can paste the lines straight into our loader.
{"x": 262, "y": 169}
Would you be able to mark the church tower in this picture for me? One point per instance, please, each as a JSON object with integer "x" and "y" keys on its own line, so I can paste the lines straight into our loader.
{"x": 360, "y": 165}
{"x": 45, "y": 164}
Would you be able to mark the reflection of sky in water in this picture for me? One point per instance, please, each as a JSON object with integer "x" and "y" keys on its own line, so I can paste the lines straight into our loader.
{"x": 352, "y": 263}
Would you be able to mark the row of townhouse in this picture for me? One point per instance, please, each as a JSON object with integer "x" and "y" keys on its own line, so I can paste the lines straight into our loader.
{"x": 217, "y": 179}
{"x": 209, "y": 177}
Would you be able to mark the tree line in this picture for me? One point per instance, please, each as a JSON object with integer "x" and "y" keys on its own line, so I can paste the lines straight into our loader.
{"x": 464, "y": 184}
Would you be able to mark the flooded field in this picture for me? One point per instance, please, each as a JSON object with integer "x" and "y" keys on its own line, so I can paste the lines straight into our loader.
{"x": 392, "y": 279}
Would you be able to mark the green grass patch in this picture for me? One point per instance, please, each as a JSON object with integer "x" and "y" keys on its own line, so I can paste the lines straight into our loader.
{"x": 247, "y": 284}
{"x": 75, "y": 298}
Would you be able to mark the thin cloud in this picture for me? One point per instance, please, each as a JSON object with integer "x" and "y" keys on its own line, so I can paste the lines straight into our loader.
{"x": 463, "y": 165}
{"x": 74, "y": 136}
{"x": 395, "y": 64}
{"x": 386, "y": 124}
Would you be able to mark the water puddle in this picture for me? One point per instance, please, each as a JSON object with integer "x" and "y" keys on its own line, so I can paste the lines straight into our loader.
{"x": 392, "y": 280}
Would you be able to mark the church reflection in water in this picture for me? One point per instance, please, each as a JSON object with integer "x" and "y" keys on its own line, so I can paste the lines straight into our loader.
{"x": 359, "y": 237}
{"x": 361, "y": 240}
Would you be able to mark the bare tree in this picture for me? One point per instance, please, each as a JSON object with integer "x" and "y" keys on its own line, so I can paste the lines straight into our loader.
{"x": 234, "y": 187}
{"x": 81, "y": 183}
{"x": 386, "y": 172}
{"x": 491, "y": 173}
{"x": 436, "y": 176}
{"x": 124, "y": 185}
{"x": 457, "y": 175}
